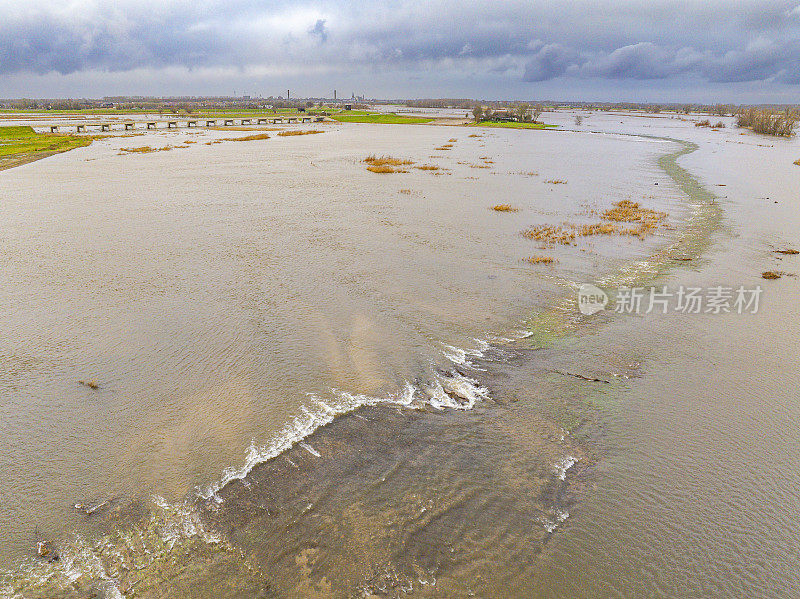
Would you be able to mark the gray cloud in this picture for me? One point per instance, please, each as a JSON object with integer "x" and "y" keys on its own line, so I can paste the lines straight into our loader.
{"x": 523, "y": 41}
{"x": 549, "y": 61}
{"x": 319, "y": 30}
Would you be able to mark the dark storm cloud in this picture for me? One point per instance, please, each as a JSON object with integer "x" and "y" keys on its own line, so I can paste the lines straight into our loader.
{"x": 532, "y": 41}
{"x": 319, "y": 30}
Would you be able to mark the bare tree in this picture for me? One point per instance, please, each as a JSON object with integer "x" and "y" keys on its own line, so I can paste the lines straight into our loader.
{"x": 477, "y": 112}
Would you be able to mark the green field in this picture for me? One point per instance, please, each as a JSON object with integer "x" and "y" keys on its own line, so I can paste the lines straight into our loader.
{"x": 512, "y": 125}
{"x": 24, "y": 142}
{"x": 384, "y": 119}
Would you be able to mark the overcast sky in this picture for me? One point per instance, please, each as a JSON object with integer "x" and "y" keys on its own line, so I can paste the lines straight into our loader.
{"x": 644, "y": 50}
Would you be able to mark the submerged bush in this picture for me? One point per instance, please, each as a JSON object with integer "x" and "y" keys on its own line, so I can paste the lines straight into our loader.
{"x": 767, "y": 122}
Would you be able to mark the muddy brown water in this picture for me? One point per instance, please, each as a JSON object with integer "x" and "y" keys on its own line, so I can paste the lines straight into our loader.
{"x": 243, "y": 295}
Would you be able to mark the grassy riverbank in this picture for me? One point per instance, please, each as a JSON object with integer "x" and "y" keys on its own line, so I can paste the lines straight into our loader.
{"x": 512, "y": 125}
{"x": 19, "y": 145}
{"x": 385, "y": 119}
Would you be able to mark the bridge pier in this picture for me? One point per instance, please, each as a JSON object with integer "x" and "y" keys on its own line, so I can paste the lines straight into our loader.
{"x": 261, "y": 121}
{"x": 53, "y": 128}
{"x": 105, "y": 127}
{"x": 246, "y": 121}
{"x": 228, "y": 122}
{"x": 151, "y": 125}
{"x": 191, "y": 123}
{"x": 306, "y": 119}
{"x": 80, "y": 128}
{"x": 129, "y": 126}
{"x": 211, "y": 123}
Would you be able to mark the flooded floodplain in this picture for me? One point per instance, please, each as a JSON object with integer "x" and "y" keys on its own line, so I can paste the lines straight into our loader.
{"x": 261, "y": 369}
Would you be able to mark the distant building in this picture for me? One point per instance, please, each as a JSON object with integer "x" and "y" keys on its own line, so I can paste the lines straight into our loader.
{"x": 348, "y": 107}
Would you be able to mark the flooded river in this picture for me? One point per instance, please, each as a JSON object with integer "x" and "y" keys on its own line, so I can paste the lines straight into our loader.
{"x": 314, "y": 380}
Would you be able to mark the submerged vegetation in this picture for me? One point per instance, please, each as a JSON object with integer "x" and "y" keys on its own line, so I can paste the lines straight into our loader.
{"x": 539, "y": 260}
{"x": 385, "y": 169}
{"x": 23, "y": 144}
{"x": 768, "y": 122}
{"x": 249, "y": 137}
{"x": 298, "y": 132}
{"x": 549, "y": 235}
{"x": 144, "y": 150}
{"x": 374, "y": 160}
{"x": 624, "y": 211}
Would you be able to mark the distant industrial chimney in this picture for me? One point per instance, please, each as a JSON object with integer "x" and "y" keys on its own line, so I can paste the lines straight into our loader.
{"x": 287, "y": 94}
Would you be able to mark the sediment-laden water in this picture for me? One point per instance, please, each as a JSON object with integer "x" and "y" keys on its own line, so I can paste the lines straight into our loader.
{"x": 314, "y": 380}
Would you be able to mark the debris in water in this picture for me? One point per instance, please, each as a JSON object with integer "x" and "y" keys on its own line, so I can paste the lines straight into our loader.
{"x": 92, "y": 384}
{"x": 771, "y": 274}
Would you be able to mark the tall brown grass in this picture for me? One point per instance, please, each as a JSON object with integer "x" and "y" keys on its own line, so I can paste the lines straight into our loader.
{"x": 298, "y": 132}
{"x": 385, "y": 169}
{"x": 768, "y": 122}
{"x": 373, "y": 160}
{"x": 539, "y": 260}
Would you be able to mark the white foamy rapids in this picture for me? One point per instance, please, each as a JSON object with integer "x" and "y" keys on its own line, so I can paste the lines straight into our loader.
{"x": 551, "y": 524}
{"x": 454, "y": 391}
{"x": 565, "y": 464}
{"x": 447, "y": 391}
{"x": 461, "y": 356}
{"x": 80, "y": 561}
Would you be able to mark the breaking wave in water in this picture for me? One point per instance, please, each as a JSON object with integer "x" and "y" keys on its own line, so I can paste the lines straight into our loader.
{"x": 445, "y": 390}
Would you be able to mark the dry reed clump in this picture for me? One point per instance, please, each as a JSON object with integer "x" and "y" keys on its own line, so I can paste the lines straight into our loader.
{"x": 504, "y": 208}
{"x": 549, "y": 235}
{"x": 797, "y": 162}
{"x": 771, "y": 274}
{"x": 473, "y": 135}
{"x": 718, "y": 125}
{"x": 406, "y": 192}
{"x": 705, "y": 123}
{"x": 787, "y": 252}
{"x": 373, "y": 160}
{"x": 427, "y": 167}
{"x": 539, "y": 260}
{"x": 385, "y": 169}
{"x": 453, "y": 140}
{"x": 768, "y": 122}
{"x": 596, "y": 229}
{"x": 92, "y": 384}
{"x": 298, "y": 132}
{"x": 248, "y": 137}
{"x": 632, "y": 212}
{"x": 556, "y": 182}
{"x": 479, "y": 166}
{"x": 145, "y": 150}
